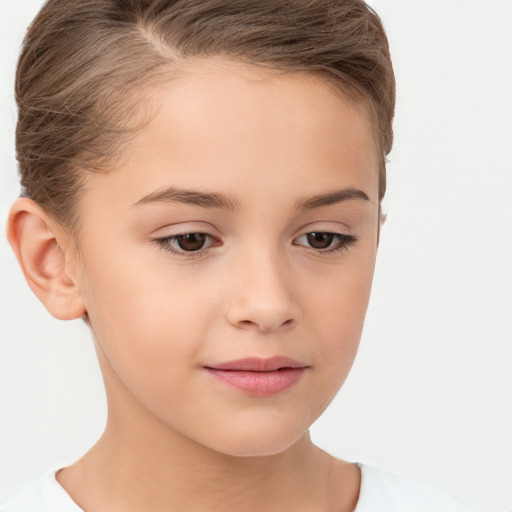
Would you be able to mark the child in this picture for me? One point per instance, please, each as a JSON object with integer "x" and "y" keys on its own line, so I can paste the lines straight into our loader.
{"x": 202, "y": 184}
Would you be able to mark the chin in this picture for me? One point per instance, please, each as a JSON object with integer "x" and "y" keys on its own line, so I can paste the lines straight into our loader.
{"x": 257, "y": 442}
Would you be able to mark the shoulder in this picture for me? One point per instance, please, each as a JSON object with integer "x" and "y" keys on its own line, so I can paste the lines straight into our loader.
{"x": 385, "y": 492}
{"x": 43, "y": 494}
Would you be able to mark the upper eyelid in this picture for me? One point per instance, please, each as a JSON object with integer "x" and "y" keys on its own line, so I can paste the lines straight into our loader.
{"x": 326, "y": 226}
{"x": 346, "y": 237}
{"x": 174, "y": 236}
{"x": 331, "y": 230}
{"x": 183, "y": 233}
{"x": 201, "y": 226}
{"x": 170, "y": 230}
{"x": 218, "y": 234}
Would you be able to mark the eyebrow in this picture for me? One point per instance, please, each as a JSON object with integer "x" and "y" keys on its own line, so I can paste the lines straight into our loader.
{"x": 226, "y": 202}
{"x": 192, "y": 197}
{"x": 331, "y": 198}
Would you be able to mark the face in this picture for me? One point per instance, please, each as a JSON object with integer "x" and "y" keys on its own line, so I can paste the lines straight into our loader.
{"x": 226, "y": 263}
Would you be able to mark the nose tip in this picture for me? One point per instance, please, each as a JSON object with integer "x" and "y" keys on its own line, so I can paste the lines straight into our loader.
{"x": 264, "y": 301}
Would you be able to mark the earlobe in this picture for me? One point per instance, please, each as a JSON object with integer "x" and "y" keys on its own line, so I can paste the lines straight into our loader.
{"x": 43, "y": 259}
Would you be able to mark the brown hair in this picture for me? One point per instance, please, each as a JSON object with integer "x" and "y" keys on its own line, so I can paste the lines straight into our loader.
{"x": 83, "y": 60}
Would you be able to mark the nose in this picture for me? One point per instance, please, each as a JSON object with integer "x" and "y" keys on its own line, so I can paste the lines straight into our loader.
{"x": 263, "y": 298}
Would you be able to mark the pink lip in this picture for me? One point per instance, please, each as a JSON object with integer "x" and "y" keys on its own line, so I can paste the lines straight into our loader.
{"x": 257, "y": 376}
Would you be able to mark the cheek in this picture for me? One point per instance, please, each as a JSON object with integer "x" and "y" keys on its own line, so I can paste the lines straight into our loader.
{"x": 337, "y": 310}
{"x": 148, "y": 323}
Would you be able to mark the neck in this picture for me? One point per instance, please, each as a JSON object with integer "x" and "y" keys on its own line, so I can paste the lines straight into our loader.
{"x": 158, "y": 477}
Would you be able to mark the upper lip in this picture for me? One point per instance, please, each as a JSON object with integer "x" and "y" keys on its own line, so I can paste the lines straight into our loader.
{"x": 258, "y": 364}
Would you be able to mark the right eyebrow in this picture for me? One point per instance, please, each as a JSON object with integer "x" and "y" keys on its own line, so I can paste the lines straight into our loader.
{"x": 191, "y": 197}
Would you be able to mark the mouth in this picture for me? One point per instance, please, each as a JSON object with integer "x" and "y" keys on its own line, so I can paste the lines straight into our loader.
{"x": 258, "y": 376}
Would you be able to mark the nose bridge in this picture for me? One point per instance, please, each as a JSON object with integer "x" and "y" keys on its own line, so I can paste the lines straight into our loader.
{"x": 263, "y": 297}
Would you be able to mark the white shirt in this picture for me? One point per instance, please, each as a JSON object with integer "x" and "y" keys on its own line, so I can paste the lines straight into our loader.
{"x": 380, "y": 492}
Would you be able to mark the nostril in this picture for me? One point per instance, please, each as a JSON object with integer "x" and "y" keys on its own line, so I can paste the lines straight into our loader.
{"x": 265, "y": 327}
{"x": 278, "y": 325}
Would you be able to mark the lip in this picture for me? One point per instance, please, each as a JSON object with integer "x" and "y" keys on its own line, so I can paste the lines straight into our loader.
{"x": 258, "y": 364}
{"x": 259, "y": 376}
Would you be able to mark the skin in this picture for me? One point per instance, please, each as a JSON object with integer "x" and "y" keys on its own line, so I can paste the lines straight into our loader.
{"x": 266, "y": 142}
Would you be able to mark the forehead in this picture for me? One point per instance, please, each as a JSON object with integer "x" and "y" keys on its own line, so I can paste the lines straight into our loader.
{"x": 218, "y": 123}
{"x": 221, "y": 93}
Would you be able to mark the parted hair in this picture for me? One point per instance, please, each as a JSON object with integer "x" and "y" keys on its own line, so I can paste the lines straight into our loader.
{"x": 85, "y": 63}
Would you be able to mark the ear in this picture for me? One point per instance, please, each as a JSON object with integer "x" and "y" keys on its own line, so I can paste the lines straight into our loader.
{"x": 380, "y": 222}
{"x": 41, "y": 251}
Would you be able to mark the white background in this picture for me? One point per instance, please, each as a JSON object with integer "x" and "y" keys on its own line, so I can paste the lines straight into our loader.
{"x": 430, "y": 395}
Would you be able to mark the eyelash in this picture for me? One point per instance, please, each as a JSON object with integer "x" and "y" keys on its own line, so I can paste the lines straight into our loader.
{"x": 165, "y": 243}
{"x": 343, "y": 243}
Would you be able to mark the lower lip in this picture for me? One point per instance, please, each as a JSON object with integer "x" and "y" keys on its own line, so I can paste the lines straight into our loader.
{"x": 259, "y": 383}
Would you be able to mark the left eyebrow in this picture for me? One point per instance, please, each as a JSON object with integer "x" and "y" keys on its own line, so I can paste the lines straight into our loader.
{"x": 330, "y": 198}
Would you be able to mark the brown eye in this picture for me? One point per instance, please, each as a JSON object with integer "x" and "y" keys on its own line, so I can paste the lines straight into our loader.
{"x": 320, "y": 240}
{"x": 191, "y": 241}
{"x": 324, "y": 242}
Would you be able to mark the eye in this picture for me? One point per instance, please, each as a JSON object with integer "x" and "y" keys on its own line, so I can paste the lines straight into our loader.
{"x": 325, "y": 241}
{"x": 187, "y": 243}
{"x": 191, "y": 241}
{"x": 320, "y": 240}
